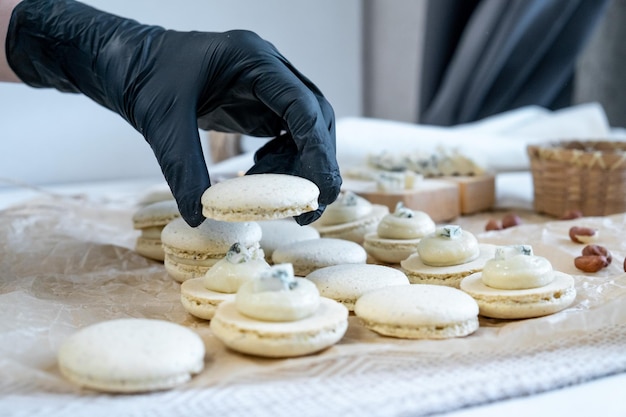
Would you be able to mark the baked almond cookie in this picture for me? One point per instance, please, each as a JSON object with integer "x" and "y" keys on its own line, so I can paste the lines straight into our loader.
{"x": 191, "y": 251}
{"x": 398, "y": 234}
{"x": 283, "y": 232}
{"x": 418, "y": 311}
{"x": 278, "y": 315}
{"x": 150, "y": 221}
{"x": 201, "y": 296}
{"x": 517, "y": 284}
{"x": 345, "y": 283}
{"x": 308, "y": 255}
{"x": 350, "y": 217}
{"x": 259, "y": 197}
{"x": 446, "y": 256}
{"x": 131, "y": 355}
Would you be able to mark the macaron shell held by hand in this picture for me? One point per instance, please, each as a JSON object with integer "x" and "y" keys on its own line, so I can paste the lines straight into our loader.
{"x": 345, "y": 283}
{"x": 259, "y": 197}
{"x": 521, "y": 304}
{"x": 280, "y": 339}
{"x": 418, "y": 311}
{"x": 131, "y": 355}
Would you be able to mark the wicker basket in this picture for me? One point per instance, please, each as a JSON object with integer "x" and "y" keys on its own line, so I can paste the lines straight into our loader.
{"x": 589, "y": 176}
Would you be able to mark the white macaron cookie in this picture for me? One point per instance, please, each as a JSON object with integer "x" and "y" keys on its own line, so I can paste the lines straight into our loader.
{"x": 308, "y": 255}
{"x": 131, "y": 355}
{"x": 345, "y": 283}
{"x": 418, "y": 311}
{"x": 259, "y": 197}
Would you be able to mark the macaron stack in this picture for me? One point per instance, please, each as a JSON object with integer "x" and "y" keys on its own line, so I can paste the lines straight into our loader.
{"x": 150, "y": 221}
{"x": 191, "y": 251}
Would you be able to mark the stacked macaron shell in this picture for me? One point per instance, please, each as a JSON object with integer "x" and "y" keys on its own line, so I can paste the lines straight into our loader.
{"x": 517, "y": 284}
{"x": 418, "y": 311}
{"x": 279, "y": 315}
{"x": 350, "y": 217}
{"x": 282, "y": 232}
{"x": 398, "y": 234}
{"x": 131, "y": 355}
{"x": 201, "y": 296}
{"x": 259, "y": 197}
{"x": 345, "y": 283}
{"x": 191, "y": 251}
{"x": 150, "y": 221}
{"x": 446, "y": 256}
{"x": 308, "y": 255}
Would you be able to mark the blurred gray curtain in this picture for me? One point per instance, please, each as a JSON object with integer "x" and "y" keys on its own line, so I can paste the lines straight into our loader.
{"x": 483, "y": 57}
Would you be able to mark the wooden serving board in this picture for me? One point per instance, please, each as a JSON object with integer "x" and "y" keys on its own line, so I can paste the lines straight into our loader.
{"x": 438, "y": 198}
{"x": 443, "y": 199}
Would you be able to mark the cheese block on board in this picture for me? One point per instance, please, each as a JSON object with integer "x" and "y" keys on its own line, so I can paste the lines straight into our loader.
{"x": 476, "y": 193}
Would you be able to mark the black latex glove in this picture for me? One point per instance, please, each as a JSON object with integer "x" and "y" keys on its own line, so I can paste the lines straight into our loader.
{"x": 166, "y": 84}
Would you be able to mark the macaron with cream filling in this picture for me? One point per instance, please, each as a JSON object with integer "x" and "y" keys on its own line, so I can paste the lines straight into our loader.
{"x": 279, "y": 315}
{"x": 398, "y": 234}
{"x": 517, "y": 284}
{"x": 201, "y": 296}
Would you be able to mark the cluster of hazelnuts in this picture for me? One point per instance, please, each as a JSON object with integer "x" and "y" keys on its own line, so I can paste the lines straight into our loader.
{"x": 593, "y": 257}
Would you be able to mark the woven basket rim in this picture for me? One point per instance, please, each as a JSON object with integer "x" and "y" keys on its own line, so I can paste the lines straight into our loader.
{"x": 599, "y": 154}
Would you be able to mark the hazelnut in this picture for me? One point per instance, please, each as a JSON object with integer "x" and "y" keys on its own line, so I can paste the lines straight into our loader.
{"x": 597, "y": 250}
{"x": 583, "y": 234}
{"x": 590, "y": 263}
{"x": 572, "y": 214}
{"x": 511, "y": 220}
{"x": 493, "y": 224}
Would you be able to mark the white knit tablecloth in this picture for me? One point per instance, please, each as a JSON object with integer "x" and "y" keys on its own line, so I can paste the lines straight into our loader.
{"x": 68, "y": 262}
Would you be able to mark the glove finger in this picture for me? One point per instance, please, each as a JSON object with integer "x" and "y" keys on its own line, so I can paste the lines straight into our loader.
{"x": 309, "y": 217}
{"x": 312, "y": 128}
{"x": 279, "y": 155}
{"x": 176, "y": 145}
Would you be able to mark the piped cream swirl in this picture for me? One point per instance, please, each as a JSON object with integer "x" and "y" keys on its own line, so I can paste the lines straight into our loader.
{"x": 405, "y": 223}
{"x": 517, "y": 268}
{"x": 448, "y": 245}
{"x": 276, "y": 295}
{"x": 241, "y": 264}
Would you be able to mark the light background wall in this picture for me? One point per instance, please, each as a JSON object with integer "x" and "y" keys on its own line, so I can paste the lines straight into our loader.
{"x": 47, "y": 137}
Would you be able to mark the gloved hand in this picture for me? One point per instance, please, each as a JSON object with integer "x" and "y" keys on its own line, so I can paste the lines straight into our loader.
{"x": 166, "y": 84}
